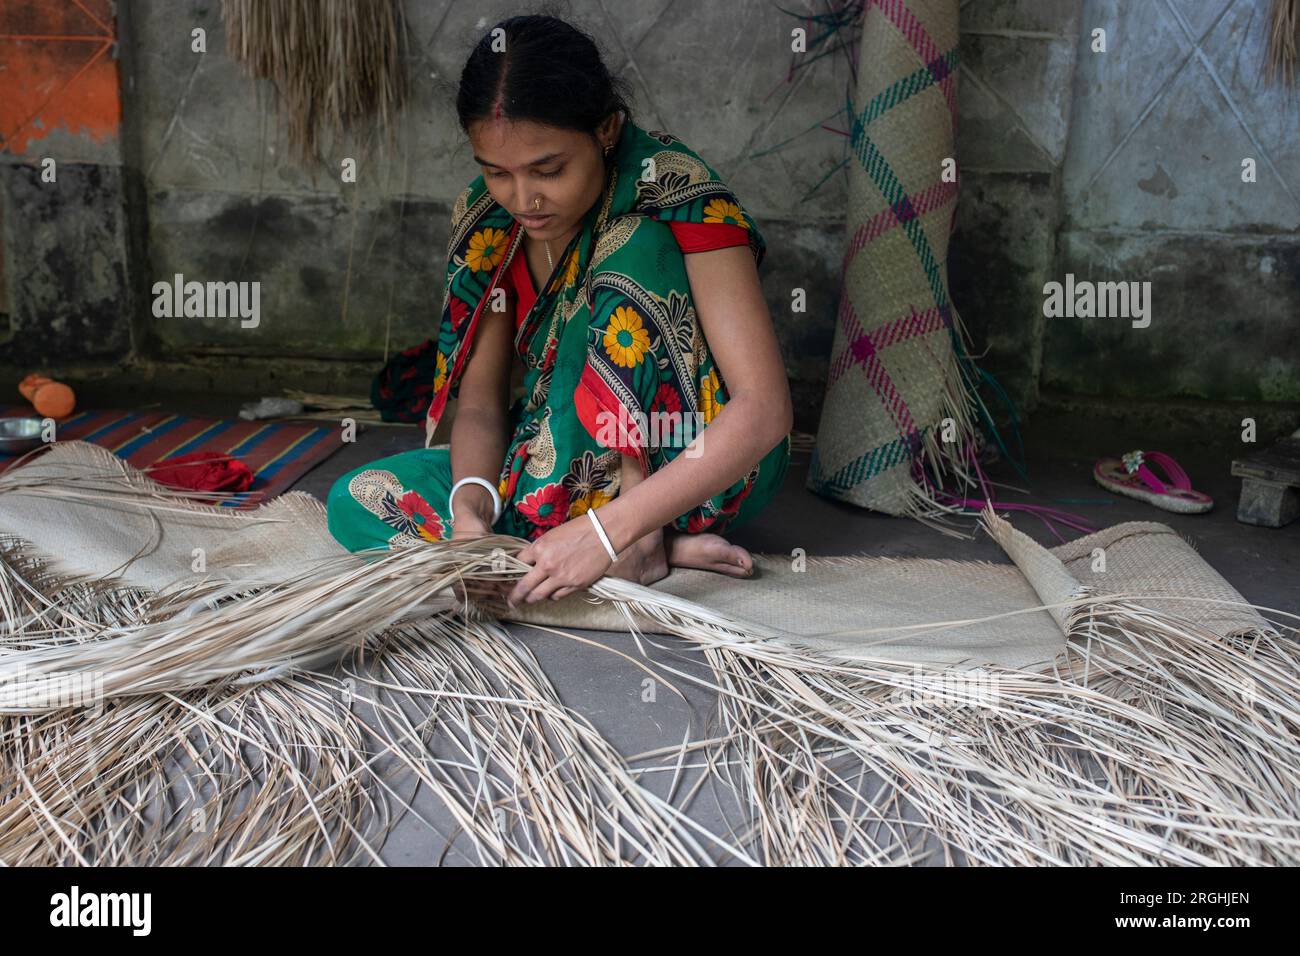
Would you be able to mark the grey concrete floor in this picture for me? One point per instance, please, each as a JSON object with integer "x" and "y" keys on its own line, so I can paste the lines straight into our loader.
{"x": 1263, "y": 564}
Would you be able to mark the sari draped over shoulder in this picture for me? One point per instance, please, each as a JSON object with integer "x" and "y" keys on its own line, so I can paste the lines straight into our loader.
{"x": 614, "y": 357}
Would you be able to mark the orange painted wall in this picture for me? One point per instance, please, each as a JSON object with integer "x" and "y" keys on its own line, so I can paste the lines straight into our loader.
{"x": 57, "y": 71}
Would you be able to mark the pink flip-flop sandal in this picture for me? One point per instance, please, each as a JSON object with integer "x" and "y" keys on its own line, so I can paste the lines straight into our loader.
{"x": 1130, "y": 476}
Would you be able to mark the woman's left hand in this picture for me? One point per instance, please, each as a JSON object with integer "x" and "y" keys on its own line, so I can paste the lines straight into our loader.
{"x": 565, "y": 559}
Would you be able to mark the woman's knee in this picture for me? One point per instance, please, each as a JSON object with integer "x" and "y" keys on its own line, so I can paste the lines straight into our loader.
{"x": 344, "y": 516}
{"x": 399, "y": 491}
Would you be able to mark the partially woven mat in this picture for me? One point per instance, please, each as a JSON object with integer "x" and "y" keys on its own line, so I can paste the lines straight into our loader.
{"x": 904, "y": 610}
{"x": 835, "y": 603}
{"x": 894, "y": 374}
{"x": 88, "y": 533}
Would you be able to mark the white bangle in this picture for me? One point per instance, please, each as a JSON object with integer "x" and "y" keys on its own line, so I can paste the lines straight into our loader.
{"x": 600, "y": 530}
{"x": 476, "y": 480}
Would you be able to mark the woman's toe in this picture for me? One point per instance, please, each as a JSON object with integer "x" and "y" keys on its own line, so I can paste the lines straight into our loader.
{"x": 736, "y": 562}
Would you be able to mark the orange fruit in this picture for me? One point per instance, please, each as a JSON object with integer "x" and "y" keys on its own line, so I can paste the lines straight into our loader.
{"x": 29, "y": 385}
{"x": 53, "y": 400}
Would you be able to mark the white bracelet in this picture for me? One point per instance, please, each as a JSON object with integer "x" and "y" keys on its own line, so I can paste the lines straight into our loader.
{"x": 476, "y": 480}
{"x": 600, "y": 530}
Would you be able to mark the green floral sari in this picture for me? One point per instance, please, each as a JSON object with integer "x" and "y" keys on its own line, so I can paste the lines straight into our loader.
{"x": 615, "y": 361}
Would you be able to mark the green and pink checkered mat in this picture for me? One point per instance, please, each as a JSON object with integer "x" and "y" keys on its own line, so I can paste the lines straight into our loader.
{"x": 896, "y": 372}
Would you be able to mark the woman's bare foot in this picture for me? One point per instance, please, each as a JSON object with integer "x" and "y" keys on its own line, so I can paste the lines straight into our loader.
{"x": 709, "y": 552}
{"x": 645, "y": 562}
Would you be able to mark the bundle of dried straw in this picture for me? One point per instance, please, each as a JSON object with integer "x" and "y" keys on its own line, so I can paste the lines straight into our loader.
{"x": 336, "y": 64}
{"x": 1284, "y": 29}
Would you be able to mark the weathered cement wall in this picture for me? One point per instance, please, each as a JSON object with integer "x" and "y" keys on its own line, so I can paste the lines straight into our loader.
{"x": 64, "y": 227}
{"x": 1123, "y": 165}
{"x": 348, "y": 269}
{"x": 1160, "y": 127}
{"x": 1013, "y": 105}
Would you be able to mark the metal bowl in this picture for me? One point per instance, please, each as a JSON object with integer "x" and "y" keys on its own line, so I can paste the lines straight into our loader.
{"x": 18, "y": 435}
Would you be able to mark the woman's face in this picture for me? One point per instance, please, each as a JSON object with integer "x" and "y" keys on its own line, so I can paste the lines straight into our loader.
{"x": 524, "y": 161}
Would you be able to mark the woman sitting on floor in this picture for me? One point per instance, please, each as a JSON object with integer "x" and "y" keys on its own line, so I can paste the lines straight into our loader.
{"x": 621, "y": 273}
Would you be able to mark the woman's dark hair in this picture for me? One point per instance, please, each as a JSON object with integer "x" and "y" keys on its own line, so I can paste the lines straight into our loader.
{"x": 549, "y": 72}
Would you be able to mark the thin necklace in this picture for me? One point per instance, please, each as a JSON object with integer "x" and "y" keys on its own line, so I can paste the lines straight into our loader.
{"x": 550, "y": 263}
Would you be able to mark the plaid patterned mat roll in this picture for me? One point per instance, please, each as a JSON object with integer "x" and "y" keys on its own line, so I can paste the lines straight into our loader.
{"x": 894, "y": 374}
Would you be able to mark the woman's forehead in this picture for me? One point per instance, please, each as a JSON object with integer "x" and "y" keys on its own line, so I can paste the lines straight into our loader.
{"x": 517, "y": 144}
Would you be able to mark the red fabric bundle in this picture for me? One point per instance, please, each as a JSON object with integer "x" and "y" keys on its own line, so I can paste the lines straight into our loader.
{"x": 203, "y": 471}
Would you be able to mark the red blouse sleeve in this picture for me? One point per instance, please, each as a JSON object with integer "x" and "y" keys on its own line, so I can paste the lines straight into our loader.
{"x": 700, "y": 236}
{"x": 516, "y": 280}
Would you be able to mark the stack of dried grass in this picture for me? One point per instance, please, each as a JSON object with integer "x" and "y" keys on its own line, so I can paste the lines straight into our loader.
{"x": 336, "y": 64}
{"x": 1282, "y": 40}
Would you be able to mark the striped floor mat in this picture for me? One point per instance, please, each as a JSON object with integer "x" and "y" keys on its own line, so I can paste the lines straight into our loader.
{"x": 278, "y": 453}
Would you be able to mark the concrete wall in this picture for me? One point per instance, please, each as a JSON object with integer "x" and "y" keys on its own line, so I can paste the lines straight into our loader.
{"x": 64, "y": 226}
{"x": 1121, "y": 165}
{"x": 348, "y": 269}
{"x": 1153, "y": 192}
{"x": 1014, "y": 98}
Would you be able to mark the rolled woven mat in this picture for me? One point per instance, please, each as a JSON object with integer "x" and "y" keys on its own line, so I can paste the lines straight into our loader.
{"x": 894, "y": 373}
{"x": 1043, "y": 711}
